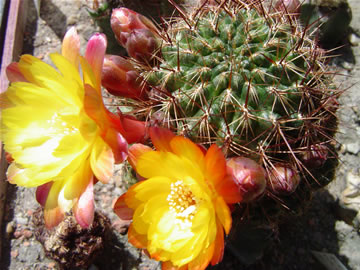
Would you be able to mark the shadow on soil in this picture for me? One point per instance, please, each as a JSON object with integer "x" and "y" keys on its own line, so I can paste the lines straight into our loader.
{"x": 295, "y": 240}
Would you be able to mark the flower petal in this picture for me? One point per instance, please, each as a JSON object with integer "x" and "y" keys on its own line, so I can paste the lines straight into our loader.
{"x": 42, "y": 193}
{"x": 53, "y": 214}
{"x": 219, "y": 245}
{"x": 121, "y": 209}
{"x": 135, "y": 151}
{"x": 94, "y": 107}
{"x": 161, "y": 138}
{"x": 14, "y": 74}
{"x": 169, "y": 266}
{"x": 223, "y": 213}
{"x": 102, "y": 161}
{"x": 184, "y": 147}
{"x": 203, "y": 259}
{"x": 136, "y": 239}
{"x": 132, "y": 129}
{"x": 71, "y": 46}
{"x": 84, "y": 208}
{"x": 228, "y": 189}
{"x": 215, "y": 165}
{"x": 95, "y": 53}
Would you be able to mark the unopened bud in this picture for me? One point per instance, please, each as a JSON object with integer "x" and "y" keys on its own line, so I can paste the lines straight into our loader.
{"x": 120, "y": 78}
{"x": 283, "y": 180}
{"x": 288, "y": 6}
{"x": 249, "y": 177}
{"x": 315, "y": 157}
{"x": 141, "y": 45}
{"x": 136, "y": 33}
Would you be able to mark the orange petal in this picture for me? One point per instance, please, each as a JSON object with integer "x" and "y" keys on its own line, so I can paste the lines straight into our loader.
{"x": 219, "y": 245}
{"x": 228, "y": 189}
{"x": 161, "y": 138}
{"x": 71, "y": 46}
{"x": 137, "y": 240}
{"x": 14, "y": 74}
{"x": 84, "y": 208}
{"x": 169, "y": 266}
{"x": 95, "y": 109}
{"x": 135, "y": 151}
{"x": 132, "y": 129}
{"x": 182, "y": 146}
{"x": 95, "y": 53}
{"x": 223, "y": 213}
{"x": 203, "y": 260}
{"x": 121, "y": 209}
{"x": 102, "y": 161}
{"x": 53, "y": 214}
{"x": 215, "y": 165}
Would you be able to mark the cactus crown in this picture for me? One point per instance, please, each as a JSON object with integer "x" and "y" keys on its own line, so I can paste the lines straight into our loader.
{"x": 250, "y": 80}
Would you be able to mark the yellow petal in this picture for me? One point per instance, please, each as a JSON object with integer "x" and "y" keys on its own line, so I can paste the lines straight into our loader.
{"x": 167, "y": 164}
{"x": 184, "y": 147}
{"x": 71, "y": 46}
{"x": 102, "y": 161}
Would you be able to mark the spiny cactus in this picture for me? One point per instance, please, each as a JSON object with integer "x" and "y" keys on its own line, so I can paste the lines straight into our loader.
{"x": 245, "y": 77}
{"x": 249, "y": 77}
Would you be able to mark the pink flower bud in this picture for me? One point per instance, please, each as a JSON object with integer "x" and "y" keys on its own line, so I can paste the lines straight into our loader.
{"x": 248, "y": 175}
{"x": 136, "y": 33}
{"x": 316, "y": 156}
{"x": 141, "y": 45}
{"x": 283, "y": 180}
{"x": 288, "y": 6}
{"x": 120, "y": 78}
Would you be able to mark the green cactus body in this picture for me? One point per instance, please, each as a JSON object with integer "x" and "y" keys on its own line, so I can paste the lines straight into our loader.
{"x": 252, "y": 83}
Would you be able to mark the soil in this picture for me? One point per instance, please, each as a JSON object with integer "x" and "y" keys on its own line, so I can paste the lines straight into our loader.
{"x": 330, "y": 224}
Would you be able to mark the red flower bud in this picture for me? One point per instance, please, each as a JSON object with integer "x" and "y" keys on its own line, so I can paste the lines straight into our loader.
{"x": 283, "y": 180}
{"x": 141, "y": 45}
{"x": 136, "y": 33}
{"x": 249, "y": 177}
{"x": 120, "y": 78}
{"x": 316, "y": 156}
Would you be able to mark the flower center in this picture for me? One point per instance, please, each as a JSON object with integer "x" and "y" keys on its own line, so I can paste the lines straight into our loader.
{"x": 182, "y": 203}
{"x": 58, "y": 126}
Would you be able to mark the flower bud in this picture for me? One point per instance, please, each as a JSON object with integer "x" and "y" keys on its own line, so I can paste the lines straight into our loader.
{"x": 288, "y": 6}
{"x": 136, "y": 33}
{"x": 315, "y": 157}
{"x": 249, "y": 177}
{"x": 120, "y": 78}
{"x": 283, "y": 180}
{"x": 141, "y": 45}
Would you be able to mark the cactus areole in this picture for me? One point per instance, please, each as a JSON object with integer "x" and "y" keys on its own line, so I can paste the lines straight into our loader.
{"x": 246, "y": 77}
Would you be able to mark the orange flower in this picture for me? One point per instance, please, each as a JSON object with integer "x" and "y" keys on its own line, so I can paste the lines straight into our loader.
{"x": 180, "y": 212}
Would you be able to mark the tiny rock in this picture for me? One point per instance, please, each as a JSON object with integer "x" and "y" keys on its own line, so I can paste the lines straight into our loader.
{"x": 14, "y": 253}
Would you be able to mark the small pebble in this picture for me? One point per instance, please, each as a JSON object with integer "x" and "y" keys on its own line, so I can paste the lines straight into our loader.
{"x": 14, "y": 253}
{"x": 10, "y": 228}
{"x": 27, "y": 233}
{"x": 17, "y": 234}
{"x": 26, "y": 244}
{"x": 51, "y": 265}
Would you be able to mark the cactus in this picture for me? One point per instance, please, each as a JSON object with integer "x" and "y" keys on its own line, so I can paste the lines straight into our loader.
{"x": 251, "y": 79}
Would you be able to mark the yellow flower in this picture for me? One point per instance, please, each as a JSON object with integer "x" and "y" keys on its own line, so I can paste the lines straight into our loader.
{"x": 180, "y": 211}
{"x": 56, "y": 128}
